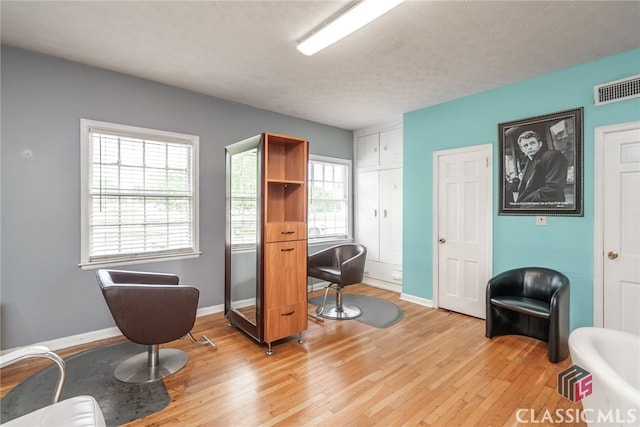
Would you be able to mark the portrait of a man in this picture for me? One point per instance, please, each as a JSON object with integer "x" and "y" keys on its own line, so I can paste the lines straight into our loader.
{"x": 539, "y": 165}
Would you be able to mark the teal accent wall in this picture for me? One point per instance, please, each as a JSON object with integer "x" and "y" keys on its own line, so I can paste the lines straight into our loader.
{"x": 566, "y": 243}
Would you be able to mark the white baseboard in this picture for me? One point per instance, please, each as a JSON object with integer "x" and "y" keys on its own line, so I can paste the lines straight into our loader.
{"x": 83, "y": 338}
{"x": 318, "y": 285}
{"x": 87, "y": 337}
{"x": 368, "y": 281}
{"x": 387, "y": 286}
{"x": 205, "y": 311}
{"x": 417, "y": 300}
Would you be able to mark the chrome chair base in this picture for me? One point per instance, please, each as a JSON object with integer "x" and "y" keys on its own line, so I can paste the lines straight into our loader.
{"x": 149, "y": 366}
{"x": 204, "y": 341}
{"x": 339, "y": 313}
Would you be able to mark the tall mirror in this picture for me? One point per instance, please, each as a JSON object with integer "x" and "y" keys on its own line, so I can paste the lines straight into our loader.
{"x": 243, "y": 234}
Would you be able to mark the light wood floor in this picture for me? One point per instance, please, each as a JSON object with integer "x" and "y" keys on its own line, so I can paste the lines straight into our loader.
{"x": 432, "y": 368}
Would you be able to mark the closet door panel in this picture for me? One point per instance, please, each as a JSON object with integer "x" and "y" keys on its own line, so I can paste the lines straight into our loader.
{"x": 391, "y": 147}
{"x": 367, "y": 149}
{"x": 367, "y": 231}
{"x": 391, "y": 216}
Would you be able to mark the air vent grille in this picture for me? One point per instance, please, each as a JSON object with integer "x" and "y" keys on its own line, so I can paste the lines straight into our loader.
{"x": 618, "y": 90}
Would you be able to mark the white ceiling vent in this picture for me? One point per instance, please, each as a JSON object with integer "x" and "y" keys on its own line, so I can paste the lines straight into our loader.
{"x": 618, "y": 90}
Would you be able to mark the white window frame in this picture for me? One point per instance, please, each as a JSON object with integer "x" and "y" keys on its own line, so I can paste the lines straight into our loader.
{"x": 349, "y": 175}
{"x": 86, "y": 156}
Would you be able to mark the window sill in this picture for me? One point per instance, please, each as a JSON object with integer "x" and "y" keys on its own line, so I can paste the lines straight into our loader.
{"x": 328, "y": 241}
{"x": 138, "y": 260}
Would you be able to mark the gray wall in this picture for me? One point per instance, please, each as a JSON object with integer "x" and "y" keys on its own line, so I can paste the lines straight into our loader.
{"x": 44, "y": 294}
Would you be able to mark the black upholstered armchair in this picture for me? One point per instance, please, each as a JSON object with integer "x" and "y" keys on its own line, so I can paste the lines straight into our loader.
{"x": 531, "y": 301}
{"x": 150, "y": 309}
{"x": 340, "y": 265}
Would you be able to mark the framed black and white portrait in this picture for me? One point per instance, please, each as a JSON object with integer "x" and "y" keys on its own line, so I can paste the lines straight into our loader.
{"x": 541, "y": 165}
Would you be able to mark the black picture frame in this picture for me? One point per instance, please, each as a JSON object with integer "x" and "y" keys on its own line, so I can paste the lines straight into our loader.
{"x": 533, "y": 183}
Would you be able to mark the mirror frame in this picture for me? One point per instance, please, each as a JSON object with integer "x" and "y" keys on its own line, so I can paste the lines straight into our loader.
{"x": 235, "y": 317}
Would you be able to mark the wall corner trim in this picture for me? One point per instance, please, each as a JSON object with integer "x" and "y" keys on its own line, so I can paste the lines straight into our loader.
{"x": 417, "y": 300}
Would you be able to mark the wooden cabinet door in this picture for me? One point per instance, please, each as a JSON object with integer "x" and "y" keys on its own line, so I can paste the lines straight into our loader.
{"x": 285, "y": 291}
{"x": 285, "y": 273}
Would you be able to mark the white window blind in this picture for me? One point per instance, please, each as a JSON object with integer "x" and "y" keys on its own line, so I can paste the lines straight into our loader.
{"x": 329, "y": 191}
{"x": 141, "y": 199}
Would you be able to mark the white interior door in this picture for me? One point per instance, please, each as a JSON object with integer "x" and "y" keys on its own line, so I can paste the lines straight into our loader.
{"x": 621, "y": 230}
{"x": 464, "y": 228}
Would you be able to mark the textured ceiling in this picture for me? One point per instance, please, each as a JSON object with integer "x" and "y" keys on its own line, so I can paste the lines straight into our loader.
{"x": 422, "y": 53}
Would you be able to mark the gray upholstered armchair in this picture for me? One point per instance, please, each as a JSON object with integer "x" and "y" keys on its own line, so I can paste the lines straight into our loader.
{"x": 531, "y": 301}
{"x": 150, "y": 309}
{"x": 340, "y": 265}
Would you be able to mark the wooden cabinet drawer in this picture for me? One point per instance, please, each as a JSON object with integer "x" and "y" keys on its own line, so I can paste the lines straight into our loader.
{"x": 285, "y": 320}
{"x": 285, "y": 231}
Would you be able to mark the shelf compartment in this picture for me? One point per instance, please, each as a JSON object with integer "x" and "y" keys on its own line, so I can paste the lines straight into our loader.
{"x": 284, "y": 158}
{"x": 286, "y": 202}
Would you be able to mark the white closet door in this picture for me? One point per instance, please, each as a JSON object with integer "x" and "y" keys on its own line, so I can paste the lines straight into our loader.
{"x": 367, "y": 231}
{"x": 391, "y": 216}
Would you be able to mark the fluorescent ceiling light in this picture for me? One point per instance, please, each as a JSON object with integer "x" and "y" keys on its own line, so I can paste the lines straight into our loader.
{"x": 354, "y": 19}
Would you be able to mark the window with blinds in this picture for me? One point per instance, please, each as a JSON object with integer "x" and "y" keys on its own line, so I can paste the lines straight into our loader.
{"x": 141, "y": 198}
{"x": 329, "y": 190}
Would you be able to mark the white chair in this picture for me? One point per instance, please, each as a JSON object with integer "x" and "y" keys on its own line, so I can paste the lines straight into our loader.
{"x": 79, "y": 411}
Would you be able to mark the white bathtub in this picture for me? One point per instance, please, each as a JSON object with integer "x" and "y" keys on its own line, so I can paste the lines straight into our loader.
{"x": 613, "y": 359}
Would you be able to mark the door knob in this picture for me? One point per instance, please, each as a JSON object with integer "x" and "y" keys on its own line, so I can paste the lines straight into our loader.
{"x": 442, "y": 240}
{"x": 612, "y": 255}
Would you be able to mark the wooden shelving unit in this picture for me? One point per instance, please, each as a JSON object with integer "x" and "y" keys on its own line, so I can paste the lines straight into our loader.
{"x": 281, "y": 298}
